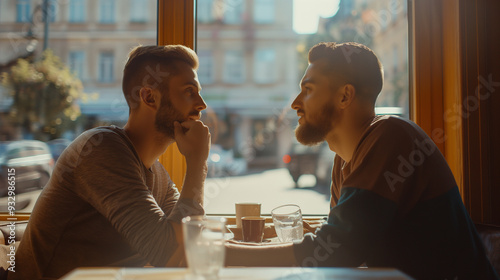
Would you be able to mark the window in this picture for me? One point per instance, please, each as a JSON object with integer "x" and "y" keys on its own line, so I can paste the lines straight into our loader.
{"x": 206, "y": 71}
{"x": 264, "y": 11}
{"x": 264, "y": 71}
{"x": 205, "y": 11}
{"x": 107, "y": 11}
{"x": 53, "y": 10}
{"x": 77, "y": 63}
{"x": 106, "y": 64}
{"x": 77, "y": 10}
{"x": 234, "y": 67}
{"x": 23, "y": 11}
{"x": 233, "y": 11}
{"x": 138, "y": 11}
{"x": 250, "y": 119}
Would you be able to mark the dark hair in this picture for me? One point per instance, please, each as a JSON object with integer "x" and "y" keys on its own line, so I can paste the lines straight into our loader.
{"x": 152, "y": 66}
{"x": 354, "y": 63}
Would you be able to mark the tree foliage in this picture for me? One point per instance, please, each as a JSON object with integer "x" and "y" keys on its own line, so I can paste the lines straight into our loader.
{"x": 44, "y": 94}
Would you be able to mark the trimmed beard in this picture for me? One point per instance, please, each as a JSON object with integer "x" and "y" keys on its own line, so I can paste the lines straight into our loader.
{"x": 312, "y": 134}
{"x": 165, "y": 118}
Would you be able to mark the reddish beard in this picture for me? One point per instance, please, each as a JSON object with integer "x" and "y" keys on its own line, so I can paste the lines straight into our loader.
{"x": 311, "y": 134}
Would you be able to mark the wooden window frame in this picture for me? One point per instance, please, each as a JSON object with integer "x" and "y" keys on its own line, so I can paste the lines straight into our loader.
{"x": 176, "y": 25}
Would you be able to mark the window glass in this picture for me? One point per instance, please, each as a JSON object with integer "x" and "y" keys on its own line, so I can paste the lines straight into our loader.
{"x": 106, "y": 65}
{"x": 76, "y": 63}
{"x": 256, "y": 71}
{"x": 87, "y": 56}
{"x": 206, "y": 71}
{"x": 232, "y": 10}
{"x": 234, "y": 67}
{"x": 52, "y": 12}
{"x": 23, "y": 10}
{"x": 204, "y": 11}
{"x": 264, "y": 66}
{"x": 264, "y": 11}
{"x": 77, "y": 10}
{"x": 107, "y": 11}
{"x": 138, "y": 11}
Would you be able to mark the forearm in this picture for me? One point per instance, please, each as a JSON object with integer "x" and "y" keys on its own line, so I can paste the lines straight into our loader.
{"x": 272, "y": 255}
{"x": 194, "y": 180}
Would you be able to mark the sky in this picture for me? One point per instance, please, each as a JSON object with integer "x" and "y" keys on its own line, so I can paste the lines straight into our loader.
{"x": 306, "y": 14}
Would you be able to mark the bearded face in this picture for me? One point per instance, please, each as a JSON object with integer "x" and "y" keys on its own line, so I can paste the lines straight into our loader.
{"x": 168, "y": 114}
{"x": 165, "y": 117}
{"x": 315, "y": 126}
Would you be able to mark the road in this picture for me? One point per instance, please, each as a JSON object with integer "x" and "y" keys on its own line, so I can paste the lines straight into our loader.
{"x": 271, "y": 188}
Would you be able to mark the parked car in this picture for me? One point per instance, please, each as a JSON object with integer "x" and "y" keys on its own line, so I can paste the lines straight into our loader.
{"x": 314, "y": 160}
{"x": 223, "y": 163}
{"x": 32, "y": 162}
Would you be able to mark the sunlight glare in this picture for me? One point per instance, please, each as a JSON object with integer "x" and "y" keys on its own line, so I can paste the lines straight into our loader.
{"x": 306, "y": 14}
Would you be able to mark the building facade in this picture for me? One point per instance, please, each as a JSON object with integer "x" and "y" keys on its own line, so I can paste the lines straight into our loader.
{"x": 247, "y": 61}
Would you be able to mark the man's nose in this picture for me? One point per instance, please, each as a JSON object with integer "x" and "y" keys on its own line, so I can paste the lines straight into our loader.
{"x": 201, "y": 105}
{"x": 296, "y": 102}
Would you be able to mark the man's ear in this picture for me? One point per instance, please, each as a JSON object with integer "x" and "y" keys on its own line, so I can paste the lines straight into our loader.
{"x": 148, "y": 97}
{"x": 348, "y": 93}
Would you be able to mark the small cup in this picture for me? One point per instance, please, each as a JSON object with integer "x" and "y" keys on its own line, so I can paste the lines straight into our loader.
{"x": 253, "y": 228}
{"x": 246, "y": 210}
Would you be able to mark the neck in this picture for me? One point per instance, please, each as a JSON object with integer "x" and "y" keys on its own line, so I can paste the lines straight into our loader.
{"x": 344, "y": 138}
{"x": 148, "y": 143}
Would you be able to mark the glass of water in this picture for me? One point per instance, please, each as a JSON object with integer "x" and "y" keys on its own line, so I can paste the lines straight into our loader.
{"x": 288, "y": 222}
{"x": 204, "y": 245}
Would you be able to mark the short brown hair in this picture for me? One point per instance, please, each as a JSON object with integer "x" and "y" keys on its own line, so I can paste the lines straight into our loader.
{"x": 153, "y": 65}
{"x": 354, "y": 63}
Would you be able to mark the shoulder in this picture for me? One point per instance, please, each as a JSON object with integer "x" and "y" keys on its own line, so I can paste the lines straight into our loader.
{"x": 393, "y": 124}
{"x": 101, "y": 137}
{"x": 97, "y": 144}
{"x": 392, "y": 131}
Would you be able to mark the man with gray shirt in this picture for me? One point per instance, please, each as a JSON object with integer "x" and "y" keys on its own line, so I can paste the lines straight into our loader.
{"x": 109, "y": 201}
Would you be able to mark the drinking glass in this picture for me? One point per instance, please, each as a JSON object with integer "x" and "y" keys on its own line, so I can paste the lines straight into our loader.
{"x": 287, "y": 221}
{"x": 204, "y": 245}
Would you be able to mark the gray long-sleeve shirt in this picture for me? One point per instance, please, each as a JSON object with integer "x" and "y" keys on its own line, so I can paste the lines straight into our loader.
{"x": 101, "y": 207}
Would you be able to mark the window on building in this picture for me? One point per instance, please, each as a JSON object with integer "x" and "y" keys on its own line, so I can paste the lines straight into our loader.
{"x": 264, "y": 70}
{"x": 106, "y": 11}
{"x": 77, "y": 10}
{"x": 233, "y": 11}
{"x": 204, "y": 12}
{"x": 77, "y": 63}
{"x": 264, "y": 11}
{"x": 53, "y": 10}
{"x": 206, "y": 71}
{"x": 23, "y": 11}
{"x": 234, "y": 67}
{"x": 106, "y": 64}
{"x": 139, "y": 11}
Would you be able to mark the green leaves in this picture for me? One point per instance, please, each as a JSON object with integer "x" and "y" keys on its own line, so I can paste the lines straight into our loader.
{"x": 44, "y": 94}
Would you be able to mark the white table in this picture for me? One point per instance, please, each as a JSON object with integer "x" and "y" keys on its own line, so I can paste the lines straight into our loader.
{"x": 254, "y": 273}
